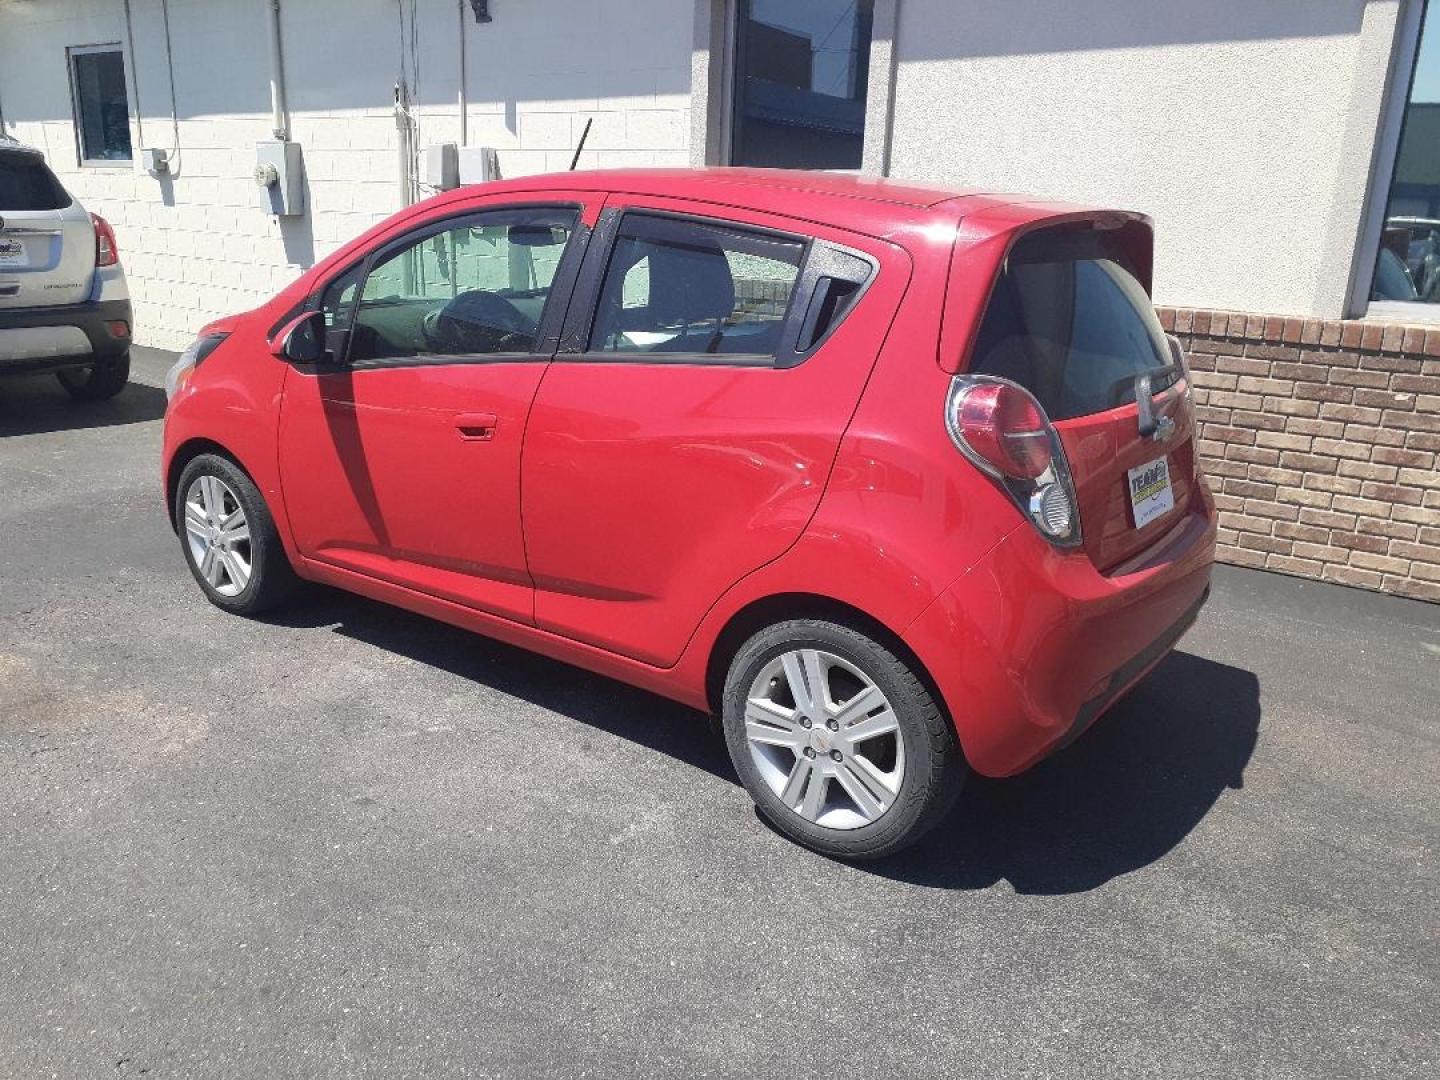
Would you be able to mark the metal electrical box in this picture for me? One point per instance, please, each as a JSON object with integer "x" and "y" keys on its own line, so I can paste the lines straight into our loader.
{"x": 155, "y": 162}
{"x": 442, "y": 168}
{"x": 478, "y": 164}
{"x": 279, "y": 173}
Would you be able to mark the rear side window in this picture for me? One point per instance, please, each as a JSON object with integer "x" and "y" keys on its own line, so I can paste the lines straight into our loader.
{"x": 675, "y": 286}
{"x": 1069, "y": 322}
{"x": 26, "y": 183}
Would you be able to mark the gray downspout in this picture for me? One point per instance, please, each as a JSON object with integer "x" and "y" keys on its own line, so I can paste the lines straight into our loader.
{"x": 279, "y": 112}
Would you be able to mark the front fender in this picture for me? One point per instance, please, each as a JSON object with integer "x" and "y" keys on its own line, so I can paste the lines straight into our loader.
{"x": 232, "y": 400}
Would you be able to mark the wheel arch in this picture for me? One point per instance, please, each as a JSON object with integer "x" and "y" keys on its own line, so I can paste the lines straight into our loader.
{"x": 780, "y": 607}
{"x": 187, "y": 452}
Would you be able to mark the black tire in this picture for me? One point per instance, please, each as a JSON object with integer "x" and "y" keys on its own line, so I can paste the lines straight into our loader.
{"x": 935, "y": 768}
{"x": 101, "y": 380}
{"x": 272, "y": 579}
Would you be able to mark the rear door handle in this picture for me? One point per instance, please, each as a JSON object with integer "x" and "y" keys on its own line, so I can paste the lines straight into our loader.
{"x": 476, "y": 426}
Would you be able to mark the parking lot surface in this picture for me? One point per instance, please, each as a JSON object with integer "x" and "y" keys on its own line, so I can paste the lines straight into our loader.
{"x": 349, "y": 841}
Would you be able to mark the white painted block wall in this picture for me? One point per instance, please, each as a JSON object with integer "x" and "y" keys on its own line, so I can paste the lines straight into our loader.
{"x": 198, "y": 245}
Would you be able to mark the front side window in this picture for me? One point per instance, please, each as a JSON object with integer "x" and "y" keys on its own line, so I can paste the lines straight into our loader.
{"x": 102, "y": 106}
{"x": 678, "y": 286}
{"x": 800, "y": 77}
{"x": 475, "y": 289}
{"x": 1408, "y": 265}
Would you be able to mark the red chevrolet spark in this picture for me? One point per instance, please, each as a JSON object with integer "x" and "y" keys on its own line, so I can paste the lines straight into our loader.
{"x": 900, "y": 482}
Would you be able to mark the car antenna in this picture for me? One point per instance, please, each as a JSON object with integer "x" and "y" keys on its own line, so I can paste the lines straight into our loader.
{"x": 581, "y": 144}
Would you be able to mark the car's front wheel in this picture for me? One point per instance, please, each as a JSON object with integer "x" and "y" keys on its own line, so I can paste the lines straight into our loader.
{"x": 229, "y": 538}
{"x": 838, "y": 740}
{"x": 103, "y": 379}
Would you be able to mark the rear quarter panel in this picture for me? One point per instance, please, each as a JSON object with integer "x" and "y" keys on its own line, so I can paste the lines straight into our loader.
{"x": 903, "y": 514}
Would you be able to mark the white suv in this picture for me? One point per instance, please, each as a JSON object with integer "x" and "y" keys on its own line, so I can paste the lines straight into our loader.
{"x": 64, "y": 306}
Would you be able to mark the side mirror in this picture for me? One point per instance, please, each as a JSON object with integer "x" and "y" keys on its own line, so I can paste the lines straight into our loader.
{"x": 302, "y": 339}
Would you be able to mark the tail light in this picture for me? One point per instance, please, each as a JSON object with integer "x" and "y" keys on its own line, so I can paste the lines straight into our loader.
{"x": 1003, "y": 430}
{"x": 106, "y": 251}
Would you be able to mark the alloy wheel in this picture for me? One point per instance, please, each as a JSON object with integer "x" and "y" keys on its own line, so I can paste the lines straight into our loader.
{"x": 218, "y": 535}
{"x": 825, "y": 739}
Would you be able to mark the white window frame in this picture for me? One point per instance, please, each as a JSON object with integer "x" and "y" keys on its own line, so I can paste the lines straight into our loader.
{"x": 73, "y": 51}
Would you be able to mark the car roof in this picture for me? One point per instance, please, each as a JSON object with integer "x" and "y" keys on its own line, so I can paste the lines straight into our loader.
{"x": 14, "y": 146}
{"x": 759, "y": 188}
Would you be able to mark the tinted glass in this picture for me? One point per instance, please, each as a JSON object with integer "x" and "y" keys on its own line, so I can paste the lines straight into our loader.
{"x": 800, "y": 75}
{"x": 26, "y": 183}
{"x": 102, "y": 108}
{"x": 1074, "y": 331}
{"x": 474, "y": 289}
{"x": 338, "y": 300}
{"x": 677, "y": 286}
{"x": 1408, "y": 267}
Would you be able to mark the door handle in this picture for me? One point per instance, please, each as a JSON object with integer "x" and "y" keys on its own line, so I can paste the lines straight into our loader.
{"x": 475, "y": 427}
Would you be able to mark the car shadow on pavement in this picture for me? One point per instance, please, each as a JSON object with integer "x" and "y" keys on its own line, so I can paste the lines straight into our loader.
{"x": 34, "y": 404}
{"x": 643, "y": 718}
{"x": 1125, "y": 793}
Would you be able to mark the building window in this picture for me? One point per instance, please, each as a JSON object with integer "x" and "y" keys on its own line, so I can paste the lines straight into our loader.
{"x": 800, "y": 76}
{"x": 102, "y": 107}
{"x": 1408, "y": 265}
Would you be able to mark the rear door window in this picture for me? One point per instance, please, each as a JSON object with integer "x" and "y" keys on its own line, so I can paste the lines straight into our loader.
{"x": 1069, "y": 321}
{"x": 677, "y": 286}
{"x": 27, "y": 184}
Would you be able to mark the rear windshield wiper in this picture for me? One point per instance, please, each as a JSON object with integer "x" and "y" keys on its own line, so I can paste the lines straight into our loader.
{"x": 1152, "y": 425}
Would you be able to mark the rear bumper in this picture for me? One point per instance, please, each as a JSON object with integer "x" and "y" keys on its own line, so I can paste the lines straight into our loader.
{"x": 90, "y": 319}
{"x": 1032, "y": 645}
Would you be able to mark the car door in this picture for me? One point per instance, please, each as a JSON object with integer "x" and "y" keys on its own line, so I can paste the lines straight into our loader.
{"x": 400, "y": 455}
{"x": 710, "y": 362}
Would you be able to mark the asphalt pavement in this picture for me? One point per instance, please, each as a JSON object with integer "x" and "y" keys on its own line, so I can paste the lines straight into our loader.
{"x": 347, "y": 841}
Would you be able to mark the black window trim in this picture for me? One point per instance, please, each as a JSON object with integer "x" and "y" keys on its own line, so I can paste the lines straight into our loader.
{"x": 551, "y": 316}
{"x": 815, "y": 259}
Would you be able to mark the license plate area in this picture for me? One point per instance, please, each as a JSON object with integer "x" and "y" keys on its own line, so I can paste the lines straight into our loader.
{"x": 1151, "y": 495}
{"x": 12, "y": 252}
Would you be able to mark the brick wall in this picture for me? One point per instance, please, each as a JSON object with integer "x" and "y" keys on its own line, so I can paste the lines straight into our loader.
{"x": 1321, "y": 440}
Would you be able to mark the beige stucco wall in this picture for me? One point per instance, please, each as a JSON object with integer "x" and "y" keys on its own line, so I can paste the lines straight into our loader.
{"x": 1246, "y": 128}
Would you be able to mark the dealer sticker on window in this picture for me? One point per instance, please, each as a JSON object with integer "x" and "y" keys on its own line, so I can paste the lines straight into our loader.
{"x": 1150, "y": 492}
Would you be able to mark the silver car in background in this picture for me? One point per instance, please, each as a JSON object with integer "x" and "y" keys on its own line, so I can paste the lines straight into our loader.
{"x": 64, "y": 305}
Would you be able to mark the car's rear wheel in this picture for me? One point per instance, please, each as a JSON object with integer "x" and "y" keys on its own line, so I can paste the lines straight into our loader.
{"x": 230, "y": 541}
{"x": 103, "y": 379}
{"x": 838, "y": 740}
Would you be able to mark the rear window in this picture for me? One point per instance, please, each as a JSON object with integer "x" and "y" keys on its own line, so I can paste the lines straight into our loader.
{"x": 26, "y": 183}
{"x": 1069, "y": 321}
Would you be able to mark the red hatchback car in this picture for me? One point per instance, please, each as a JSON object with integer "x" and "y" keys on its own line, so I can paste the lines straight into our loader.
{"x": 900, "y": 482}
